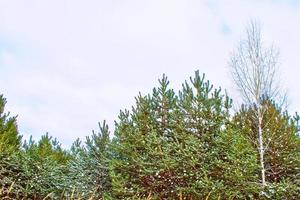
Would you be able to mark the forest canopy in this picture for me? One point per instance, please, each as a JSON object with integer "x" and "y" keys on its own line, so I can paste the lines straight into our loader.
{"x": 184, "y": 145}
{"x": 187, "y": 145}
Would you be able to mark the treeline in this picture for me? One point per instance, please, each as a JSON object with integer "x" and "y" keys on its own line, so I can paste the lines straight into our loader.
{"x": 185, "y": 145}
{"x": 170, "y": 145}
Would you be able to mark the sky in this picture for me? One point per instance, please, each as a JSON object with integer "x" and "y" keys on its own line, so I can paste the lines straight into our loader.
{"x": 66, "y": 65}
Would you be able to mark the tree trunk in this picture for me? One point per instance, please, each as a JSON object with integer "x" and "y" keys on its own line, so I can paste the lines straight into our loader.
{"x": 261, "y": 149}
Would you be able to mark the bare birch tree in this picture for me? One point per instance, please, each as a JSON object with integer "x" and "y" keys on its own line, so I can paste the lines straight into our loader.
{"x": 254, "y": 71}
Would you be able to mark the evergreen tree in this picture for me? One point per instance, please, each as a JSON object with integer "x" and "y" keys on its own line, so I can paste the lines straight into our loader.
{"x": 235, "y": 165}
{"x": 203, "y": 114}
{"x": 10, "y": 139}
{"x": 89, "y": 167}
{"x": 43, "y": 168}
{"x": 164, "y": 147}
{"x": 142, "y": 164}
{"x": 10, "y": 142}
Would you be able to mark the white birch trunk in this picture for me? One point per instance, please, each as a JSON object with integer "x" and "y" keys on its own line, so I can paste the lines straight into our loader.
{"x": 254, "y": 71}
{"x": 261, "y": 148}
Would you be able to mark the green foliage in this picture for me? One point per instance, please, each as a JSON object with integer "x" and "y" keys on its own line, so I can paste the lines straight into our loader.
{"x": 89, "y": 167}
{"x": 282, "y": 147}
{"x": 10, "y": 140}
{"x": 38, "y": 169}
{"x": 44, "y": 164}
{"x": 236, "y": 165}
{"x": 164, "y": 146}
{"x": 10, "y": 173}
{"x": 283, "y": 190}
{"x": 170, "y": 145}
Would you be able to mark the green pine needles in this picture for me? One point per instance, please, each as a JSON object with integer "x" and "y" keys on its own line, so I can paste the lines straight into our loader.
{"x": 10, "y": 140}
{"x": 170, "y": 145}
{"x": 164, "y": 145}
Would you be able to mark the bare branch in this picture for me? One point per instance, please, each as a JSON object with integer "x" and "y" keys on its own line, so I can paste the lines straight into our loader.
{"x": 254, "y": 71}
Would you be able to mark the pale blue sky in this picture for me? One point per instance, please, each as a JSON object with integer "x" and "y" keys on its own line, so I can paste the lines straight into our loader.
{"x": 67, "y": 64}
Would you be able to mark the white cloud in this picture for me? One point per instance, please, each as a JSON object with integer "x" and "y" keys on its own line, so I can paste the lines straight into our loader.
{"x": 80, "y": 62}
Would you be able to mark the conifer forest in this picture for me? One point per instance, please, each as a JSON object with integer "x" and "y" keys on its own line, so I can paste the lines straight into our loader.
{"x": 190, "y": 144}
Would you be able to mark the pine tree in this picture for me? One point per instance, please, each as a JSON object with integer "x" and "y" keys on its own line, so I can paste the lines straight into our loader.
{"x": 43, "y": 167}
{"x": 141, "y": 164}
{"x": 10, "y": 140}
{"x": 88, "y": 172}
{"x": 203, "y": 113}
{"x": 164, "y": 146}
{"x": 235, "y": 165}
